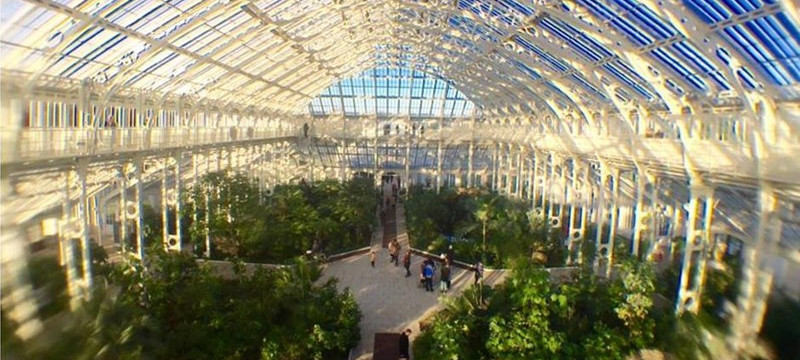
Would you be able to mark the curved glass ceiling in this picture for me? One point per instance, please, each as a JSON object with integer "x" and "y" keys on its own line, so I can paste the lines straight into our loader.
{"x": 503, "y": 54}
{"x": 393, "y": 92}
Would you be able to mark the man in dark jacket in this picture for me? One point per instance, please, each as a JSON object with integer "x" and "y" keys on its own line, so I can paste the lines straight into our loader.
{"x": 404, "y": 354}
{"x": 407, "y": 262}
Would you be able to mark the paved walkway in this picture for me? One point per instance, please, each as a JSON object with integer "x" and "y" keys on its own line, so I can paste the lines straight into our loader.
{"x": 390, "y": 301}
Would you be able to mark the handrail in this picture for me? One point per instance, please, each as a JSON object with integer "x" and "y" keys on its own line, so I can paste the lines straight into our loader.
{"x": 48, "y": 143}
{"x": 733, "y": 159}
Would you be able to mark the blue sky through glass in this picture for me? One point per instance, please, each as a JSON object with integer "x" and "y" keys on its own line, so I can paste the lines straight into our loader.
{"x": 391, "y": 92}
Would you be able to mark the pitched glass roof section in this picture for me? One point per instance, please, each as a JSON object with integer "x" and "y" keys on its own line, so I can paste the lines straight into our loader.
{"x": 503, "y": 54}
{"x": 393, "y": 91}
{"x": 772, "y": 41}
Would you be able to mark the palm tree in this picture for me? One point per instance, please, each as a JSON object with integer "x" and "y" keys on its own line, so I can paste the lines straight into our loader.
{"x": 484, "y": 214}
{"x": 539, "y": 232}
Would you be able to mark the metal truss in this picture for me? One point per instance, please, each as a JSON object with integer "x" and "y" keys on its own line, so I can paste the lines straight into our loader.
{"x": 577, "y": 118}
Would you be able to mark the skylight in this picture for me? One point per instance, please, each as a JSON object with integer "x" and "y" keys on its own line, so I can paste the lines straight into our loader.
{"x": 393, "y": 91}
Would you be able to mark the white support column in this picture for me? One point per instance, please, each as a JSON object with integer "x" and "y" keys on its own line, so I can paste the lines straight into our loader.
{"x": 122, "y": 182}
{"x": 563, "y": 190}
{"x": 659, "y": 239}
{"x": 83, "y": 218}
{"x": 164, "y": 206}
{"x": 569, "y": 188}
{"x": 137, "y": 204}
{"x": 207, "y": 219}
{"x": 219, "y": 160}
{"x": 520, "y": 171}
{"x": 170, "y": 199}
{"x": 577, "y": 197}
{"x": 494, "y": 182}
{"x": 237, "y": 159}
{"x": 229, "y": 152}
{"x": 470, "y": 165}
{"x": 439, "y": 166}
{"x": 555, "y": 190}
{"x": 407, "y": 163}
{"x": 601, "y": 216}
{"x": 508, "y": 169}
{"x": 586, "y": 204}
{"x": 530, "y": 175}
{"x": 674, "y": 228}
{"x": 757, "y": 277}
{"x": 376, "y": 178}
{"x": 67, "y": 233}
{"x": 698, "y": 230}
{"x": 503, "y": 168}
{"x": 613, "y": 221}
{"x": 538, "y": 182}
{"x": 643, "y": 218}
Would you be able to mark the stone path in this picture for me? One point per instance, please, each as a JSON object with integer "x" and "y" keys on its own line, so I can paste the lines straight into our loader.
{"x": 390, "y": 301}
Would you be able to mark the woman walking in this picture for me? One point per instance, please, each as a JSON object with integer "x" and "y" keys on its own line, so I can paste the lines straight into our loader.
{"x": 444, "y": 278}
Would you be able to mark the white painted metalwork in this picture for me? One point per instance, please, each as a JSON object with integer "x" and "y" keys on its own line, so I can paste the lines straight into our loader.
{"x": 97, "y": 109}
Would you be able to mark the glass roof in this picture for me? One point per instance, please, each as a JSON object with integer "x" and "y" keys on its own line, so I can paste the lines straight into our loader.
{"x": 360, "y": 155}
{"x": 391, "y": 92}
{"x": 502, "y": 54}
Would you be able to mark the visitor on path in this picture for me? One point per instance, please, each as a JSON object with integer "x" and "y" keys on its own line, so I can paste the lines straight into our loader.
{"x": 422, "y": 273}
{"x": 407, "y": 262}
{"x": 392, "y": 251}
{"x": 305, "y": 130}
{"x": 478, "y": 272}
{"x": 444, "y": 278}
{"x": 427, "y": 272}
{"x": 403, "y": 344}
{"x": 372, "y": 257}
{"x": 397, "y": 251}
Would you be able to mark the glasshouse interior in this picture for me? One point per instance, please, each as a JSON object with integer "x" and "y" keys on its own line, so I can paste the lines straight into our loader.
{"x": 384, "y": 179}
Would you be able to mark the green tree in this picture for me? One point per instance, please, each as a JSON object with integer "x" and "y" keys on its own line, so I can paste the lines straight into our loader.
{"x": 633, "y": 295}
{"x": 523, "y": 331}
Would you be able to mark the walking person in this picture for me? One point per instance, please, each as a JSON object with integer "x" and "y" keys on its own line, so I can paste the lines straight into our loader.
{"x": 372, "y": 257}
{"x": 428, "y": 274}
{"x": 478, "y": 272}
{"x": 397, "y": 250}
{"x": 444, "y": 278}
{"x": 392, "y": 251}
{"x": 422, "y": 273}
{"x": 404, "y": 344}
{"x": 407, "y": 262}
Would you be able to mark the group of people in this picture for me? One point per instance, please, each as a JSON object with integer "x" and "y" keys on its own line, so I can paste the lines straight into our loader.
{"x": 428, "y": 272}
{"x": 428, "y": 268}
{"x": 394, "y": 251}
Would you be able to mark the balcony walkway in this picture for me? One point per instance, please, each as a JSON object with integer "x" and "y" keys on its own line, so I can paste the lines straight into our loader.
{"x": 391, "y": 302}
{"x": 735, "y": 162}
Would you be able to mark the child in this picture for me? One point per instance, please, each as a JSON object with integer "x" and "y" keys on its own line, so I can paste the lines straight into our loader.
{"x": 372, "y": 257}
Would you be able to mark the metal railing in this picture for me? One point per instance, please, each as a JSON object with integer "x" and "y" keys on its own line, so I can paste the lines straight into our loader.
{"x": 731, "y": 158}
{"x": 47, "y": 143}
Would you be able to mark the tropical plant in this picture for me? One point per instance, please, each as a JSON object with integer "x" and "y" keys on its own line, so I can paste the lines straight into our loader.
{"x": 242, "y": 222}
{"x": 480, "y": 226}
{"x": 169, "y": 307}
{"x": 527, "y": 317}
